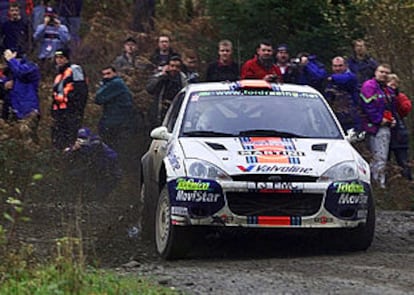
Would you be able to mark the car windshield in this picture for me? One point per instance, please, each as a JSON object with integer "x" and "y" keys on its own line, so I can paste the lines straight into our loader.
{"x": 279, "y": 114}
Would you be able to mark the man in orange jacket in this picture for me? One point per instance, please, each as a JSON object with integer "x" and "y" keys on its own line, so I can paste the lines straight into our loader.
{"x": 70, "y": 93}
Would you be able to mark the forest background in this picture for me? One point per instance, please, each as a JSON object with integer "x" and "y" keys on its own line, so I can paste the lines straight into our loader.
{"x": 322, "y": 27}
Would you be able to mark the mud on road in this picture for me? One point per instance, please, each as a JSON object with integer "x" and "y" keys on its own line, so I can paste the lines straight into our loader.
{"x": 296, "y": 265}
{"x": 233, "y": 263}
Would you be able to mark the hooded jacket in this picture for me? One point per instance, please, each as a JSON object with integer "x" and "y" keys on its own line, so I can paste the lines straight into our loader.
{"x": 24, "y": 95}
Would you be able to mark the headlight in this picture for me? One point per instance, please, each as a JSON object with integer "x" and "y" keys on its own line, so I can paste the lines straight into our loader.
{"x": 340, "y": 172}
{"x": 202, "y": 169}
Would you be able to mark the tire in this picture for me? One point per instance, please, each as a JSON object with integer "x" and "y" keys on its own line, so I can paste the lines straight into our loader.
{"x": 355, "y": 239}
{"x": 171, "y": 241}
{"x": 361, "y": 237}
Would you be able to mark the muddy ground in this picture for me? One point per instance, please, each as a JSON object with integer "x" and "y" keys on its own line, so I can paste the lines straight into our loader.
{"x": 279, "y": 263}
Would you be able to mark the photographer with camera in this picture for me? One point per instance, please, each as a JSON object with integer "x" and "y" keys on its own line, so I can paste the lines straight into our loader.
{"x": 51, "y": 35}
{"x": 307, "y": 70}
{"x": 164, "y": 85}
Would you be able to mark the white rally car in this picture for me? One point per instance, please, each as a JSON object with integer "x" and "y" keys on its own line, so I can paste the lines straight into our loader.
{"x": 253, "y": 154}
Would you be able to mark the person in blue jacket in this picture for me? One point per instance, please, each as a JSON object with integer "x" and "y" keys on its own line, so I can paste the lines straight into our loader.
{"x": 92, "y": 162}
{"x": 309, "y": 71}
{"x": 23, "y": 94}
{"x": 51, "y": 35}
{"x": 343, "y": 95}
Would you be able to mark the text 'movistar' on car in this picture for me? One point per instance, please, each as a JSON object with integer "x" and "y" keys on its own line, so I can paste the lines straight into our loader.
{"x": 257, "y": 155}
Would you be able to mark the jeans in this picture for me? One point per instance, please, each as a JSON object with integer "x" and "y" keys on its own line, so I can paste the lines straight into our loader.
{"x": 379, "y": 147}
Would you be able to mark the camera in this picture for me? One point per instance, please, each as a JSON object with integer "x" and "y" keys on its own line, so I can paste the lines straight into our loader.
{"x": 295, "y": 60}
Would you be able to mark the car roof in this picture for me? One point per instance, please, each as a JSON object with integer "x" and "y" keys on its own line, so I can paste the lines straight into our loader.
{"x": 251, "y": 84}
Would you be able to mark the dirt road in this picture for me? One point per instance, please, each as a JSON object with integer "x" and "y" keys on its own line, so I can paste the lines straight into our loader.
{"x": 233, "y": 264}
{"x": 295, "y": 265}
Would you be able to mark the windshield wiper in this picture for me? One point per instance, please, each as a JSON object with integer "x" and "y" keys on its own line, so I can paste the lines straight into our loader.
{"x": 269, "y": 132}
{"x": 207, "y": 133}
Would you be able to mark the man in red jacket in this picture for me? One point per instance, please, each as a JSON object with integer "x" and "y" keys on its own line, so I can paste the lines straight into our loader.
{"x": 399, "y": 144}
{"x": 262, "y": 65}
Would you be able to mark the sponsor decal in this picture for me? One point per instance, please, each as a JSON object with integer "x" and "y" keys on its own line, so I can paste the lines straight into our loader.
{"x": 275, "y": 168}
{"x": 272, "y": 153}
{"x": 177, "y": 210}
{"x": 174, "y": 160}
{"x": 273, "y": 186}
{"x": 323, "y": 220}
{"x": 194, "y": 97}
{"x": 344, "y": 199}
{"x": 197, "y": 197}
{"x": 270, "y": 150}
{"x": 348, "y": 199}
{"x": 362, "y": 166}
{"x": 200, "y": 197}
{"x": 275, "y": 220}
{"x": 191, "y": 185}
{"x": 276, "y": 91}
{"x": 226, "y": 218}
{"x": 352, "y": 188}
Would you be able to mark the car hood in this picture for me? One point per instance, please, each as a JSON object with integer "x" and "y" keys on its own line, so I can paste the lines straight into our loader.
{"x": 269, "y": 154}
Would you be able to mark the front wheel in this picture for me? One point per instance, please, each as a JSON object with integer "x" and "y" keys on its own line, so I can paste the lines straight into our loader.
{"x": 171, "y": 241}
{"x": 354, "y": 239}
{"x": 360, "y": 238}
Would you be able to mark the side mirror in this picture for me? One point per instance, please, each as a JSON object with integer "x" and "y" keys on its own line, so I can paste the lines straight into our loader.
{"x": 161, "y": 133}
{"x": 354, "y": 136}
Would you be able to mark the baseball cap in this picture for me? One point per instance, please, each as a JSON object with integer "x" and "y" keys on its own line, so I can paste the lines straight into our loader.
{"x": 49, "y": 11}
{"x": 84, "y": 133}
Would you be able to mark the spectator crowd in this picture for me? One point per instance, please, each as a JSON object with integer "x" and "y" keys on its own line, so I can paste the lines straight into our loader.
{"x": 363, "y": 93}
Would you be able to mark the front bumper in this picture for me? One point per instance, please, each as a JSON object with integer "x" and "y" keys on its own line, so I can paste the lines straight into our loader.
{"x": 269, "y": 204}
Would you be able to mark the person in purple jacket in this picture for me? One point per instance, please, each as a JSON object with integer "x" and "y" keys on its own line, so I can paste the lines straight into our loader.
{"x": 342, "y": 94}
{"x": 379, "y": 105}
{"x": 92, "y": 163}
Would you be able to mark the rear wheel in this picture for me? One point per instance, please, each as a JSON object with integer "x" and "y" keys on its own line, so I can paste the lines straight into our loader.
{"x": 147, "y": 214}
{"x": 171, "y": 241}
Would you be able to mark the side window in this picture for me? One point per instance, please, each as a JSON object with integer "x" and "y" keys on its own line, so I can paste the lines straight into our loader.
{"x": 172, "y": 114}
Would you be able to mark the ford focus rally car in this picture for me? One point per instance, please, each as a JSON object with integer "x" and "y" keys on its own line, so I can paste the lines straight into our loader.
{"x": 253, "y": 154}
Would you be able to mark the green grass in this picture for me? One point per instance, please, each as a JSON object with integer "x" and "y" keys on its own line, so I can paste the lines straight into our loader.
{"x": 72, "y": 279}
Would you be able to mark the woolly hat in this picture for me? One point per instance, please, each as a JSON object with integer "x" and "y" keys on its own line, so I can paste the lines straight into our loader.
{"x": 282, "y": 47}
{"x": 130, "y": 39}
{"x": 63, "y": 52}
